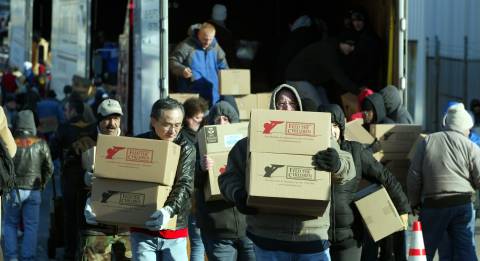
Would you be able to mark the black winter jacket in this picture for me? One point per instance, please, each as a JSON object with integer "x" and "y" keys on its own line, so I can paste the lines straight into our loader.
{"x": 376, "y": 100}
{"x": 346, "y": 223}
{"x": 218, "y": 219}
{"x": 33, "y": 163}
{"x": 368, "y": 57}
{"x": 319, "y": 63}
{"x": 393, "y": 105}
{"x": 71, "y": 139}
{"x": 180, "y": 196}
{"x": 189, "y": 135}
{"x": 294, "y": 42}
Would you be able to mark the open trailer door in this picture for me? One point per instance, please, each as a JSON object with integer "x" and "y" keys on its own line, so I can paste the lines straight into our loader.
{"x": 70, "y": 42}
{"x": 150, "y": 59}
{"x": 21, "y": 13}
{"x": 402, "y": 48}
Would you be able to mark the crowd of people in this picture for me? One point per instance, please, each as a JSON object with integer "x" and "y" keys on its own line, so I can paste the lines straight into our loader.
{"x": 42, "y": 135}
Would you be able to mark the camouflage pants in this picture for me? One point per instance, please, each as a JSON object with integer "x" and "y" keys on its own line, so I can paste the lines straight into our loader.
{"x": 100, "y": 248}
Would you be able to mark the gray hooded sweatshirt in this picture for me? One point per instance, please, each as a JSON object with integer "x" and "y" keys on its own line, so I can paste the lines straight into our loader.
{"x": 393, "y": 105}
{"x": 447, "y": 163}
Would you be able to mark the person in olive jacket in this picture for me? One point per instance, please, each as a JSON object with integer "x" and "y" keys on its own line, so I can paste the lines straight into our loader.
{"x": 346, "y": 233}
{"x": 223, "y": 226}
{"x": 284, "y": 236}
{"x": 33, "y": 169}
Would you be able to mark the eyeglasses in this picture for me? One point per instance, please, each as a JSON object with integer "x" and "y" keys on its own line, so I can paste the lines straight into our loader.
{"x": 169, "y": 126}
{"x": 286, "y": 104}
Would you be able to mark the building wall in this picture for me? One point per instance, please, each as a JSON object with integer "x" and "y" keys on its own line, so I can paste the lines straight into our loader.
{"x": 451, "y": 21}
{"x": 416, "y": 61}
{"x": 446, "y": 23}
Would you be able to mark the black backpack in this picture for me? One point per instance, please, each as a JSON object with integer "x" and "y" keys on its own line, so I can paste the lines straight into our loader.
{"x": 7, "y": 171}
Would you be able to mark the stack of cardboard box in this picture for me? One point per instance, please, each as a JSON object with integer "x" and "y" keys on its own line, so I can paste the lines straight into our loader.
{"x": 354, "y": 131}
{"x": 237, "y": 82}
{"x": 133, "y": 178}
{"x": 182, "y": 97}
{"x": 281, "y": 177}
{"x": 396, "y": 141}
{"x": 247, "y": 103}
{"x": 216, "y": 141}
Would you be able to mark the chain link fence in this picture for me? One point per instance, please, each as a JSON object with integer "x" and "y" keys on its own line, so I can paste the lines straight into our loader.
{"x": 448, "y": 79}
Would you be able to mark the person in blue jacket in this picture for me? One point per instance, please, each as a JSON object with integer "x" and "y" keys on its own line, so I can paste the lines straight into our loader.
{"x": 196, "y": 62}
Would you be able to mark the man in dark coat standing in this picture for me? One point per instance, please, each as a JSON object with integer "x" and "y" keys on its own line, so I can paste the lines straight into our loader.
{"x": 317, "y": 70}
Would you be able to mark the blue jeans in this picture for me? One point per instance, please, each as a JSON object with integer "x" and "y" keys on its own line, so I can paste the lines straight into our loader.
{"x": 27, "y": 208}
{"x": 266, "y": 255}
{"x": 229, "y": 249}
{"x": 148, "y": 248}
{"x": 197, "y": 250}
{"x": 445, "y": 248}
{"x": 459, "y": 224}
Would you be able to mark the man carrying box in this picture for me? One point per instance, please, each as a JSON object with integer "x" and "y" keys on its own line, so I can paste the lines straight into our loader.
{"x": 284, "y": 236}
{"x": 156, "y": 243}
{"x": 346, "y": 238}
{"x": 222, "y": 225}
{"x": 97, "y": 240}
{"x": 196, "y": 62}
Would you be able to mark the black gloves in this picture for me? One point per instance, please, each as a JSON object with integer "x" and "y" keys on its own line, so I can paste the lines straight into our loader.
{"x": 327, "y": 160}
{"x": 375, "y": 146}
{"x": 416, "y": 210}
{"x": 241, "y": 203}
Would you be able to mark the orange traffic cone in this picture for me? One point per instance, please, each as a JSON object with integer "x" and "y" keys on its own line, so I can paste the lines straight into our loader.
{"x": 417, "y": 248}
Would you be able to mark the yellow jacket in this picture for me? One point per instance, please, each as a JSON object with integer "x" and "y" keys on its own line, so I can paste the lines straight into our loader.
{"x": 5, "y": 134}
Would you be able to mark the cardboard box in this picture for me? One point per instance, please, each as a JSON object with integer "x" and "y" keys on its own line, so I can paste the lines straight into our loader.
{"x": 136, "y": 159}
{"x": 216, "y": 141}
{"x": 349, "y": 104}
{"x": 129, "y": 203}
{"x": 234, "y": 81}
{"x": 283, "y": 183}
{"x": 354, "y": 131}
{"x": 413, "y": 150}
{"x": 220, "y": 138}
{"x": 182, "y": 97}
{"x": 263, "y": 100}
{"x": 395, "y": 137}
{"x": 378, "y": 212}
{"x": 289, "y": 132}
{"x": 245, "y": 105}
{"x": 211, "y": 189}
